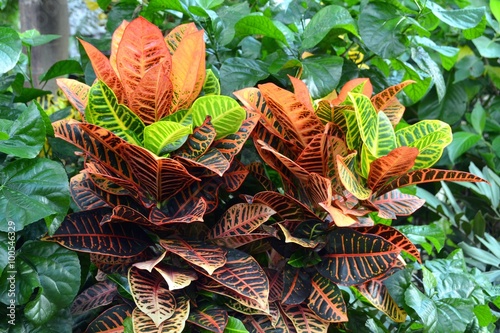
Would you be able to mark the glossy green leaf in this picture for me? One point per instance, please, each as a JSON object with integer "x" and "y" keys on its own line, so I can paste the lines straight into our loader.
{"x": 259, "y": 25}
{"x": 10, "y": 49}
{"x": 462, "y": 142}
{"x": 31, "y": 190}
{"x": 227, "y": 115}
{"x": 34, "y": 38}
{"x": 104, "y": 110}
{"x": 211, "y": 85}
{"x": 26, "y": 135}
{"x": 495, "y": 9}
{"x": 429, "y": 136}
{"x": 451, "y": 108}
{"x": 58, "y": 271}
{"x": 424, "y": 307}
{"x": 425, "y": 62}
{"x": 487, "y": 48}
{"x": 60, "y": 68}
{"x": 328, "y": 18}
{"x": 379, "y": 27}
{"x": 322, "y": 74}
{"x": 163, "y": 137}
{"x": 183, "y": 117}
{"x": 463, "y": 18}
{"x": 238, "y": 73}
{"x": 235, "y": 325}
{"x": 478, "y": 118}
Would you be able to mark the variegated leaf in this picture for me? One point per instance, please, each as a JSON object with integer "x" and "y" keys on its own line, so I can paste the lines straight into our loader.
{"x": 275, "y": 284}
{"x": 387, "y": 102}
{"x": 76, "y": 93}
{"x": 175, "y": 36}
{"x": 110, "y": 320}
{"x": 304, "y": 319}
{"x": 99, "y": 294}
{"x": 175, "y": 324}
{"x": 258, "y": 171}
{"x": 120, "y": 265}
{"x": 235, "y": 176}
{"x": 214, "y": 320}
{"x": 236, "y": 241}
{"x": 198, "y": 142}
{"x": 176, "y": 278}
{"x": 296, "y": 285}
{"x": 163, "y": 137}
{"x": 430, "y": 137}
{"x": 395, "y": 203}
{"x": 115, "y": 41}
{"x": 288, "y": 163}
{"x": 212, "y": 160}
{"x": 350, "y": 181}
{"x": 206, "y": 256}
{"x": 354, "y": 258}
{"x": 260, "y": 324}
{"x": 141, "y": 47}
{"x": 378, "y": 295}
{"x": 151, "y": 294}
{"x": 357, "y": 86}
{"x": 326, "y": 300}
{"x": 241, "y": 219}
{"x": 286, "y": 207}
{"x": 211, "y": 86}
{"x": 178, "y": 211}
{"x": 304, "y": 242}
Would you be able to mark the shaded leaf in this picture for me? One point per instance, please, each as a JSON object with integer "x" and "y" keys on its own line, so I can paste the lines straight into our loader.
{"x": 214, "y": 320}
{"x": 111, "y": 319}
{"x": 99, "y": 294}
{"x": 326, "y": 300}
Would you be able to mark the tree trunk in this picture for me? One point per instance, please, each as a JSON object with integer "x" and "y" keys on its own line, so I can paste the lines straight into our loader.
{"x": 48, "y": 17}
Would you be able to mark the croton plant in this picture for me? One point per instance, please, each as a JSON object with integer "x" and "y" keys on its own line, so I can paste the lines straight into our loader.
{"x": 180, "y": 244}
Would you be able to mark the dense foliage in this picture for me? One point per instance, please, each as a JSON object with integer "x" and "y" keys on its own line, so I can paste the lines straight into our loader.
{"x": 192, "y": 213}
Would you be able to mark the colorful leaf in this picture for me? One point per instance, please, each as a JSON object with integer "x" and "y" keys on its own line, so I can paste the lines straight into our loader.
{"x": 206, "y": 256}
{"x": 395, "y": 203}
{"x": 76, "y": 93}
{"x": 289, "y": 238}
{"x": 104, "y": 110}
{"x": 151, "y": 294}
{"x": 163, "y": 137}
{"x": 99, "y": 294}
{"x": 326, "y": 300}
{"x": 115, "y": 42}
{"x": 214, "y": 320}
{"x": 305, "y": 320}
{"x": 286, "y": 207}
{"x": 110, "y": 320}
{"x": 350, "y": 181}
{"x": 378, "y": 295}
{"x": 175, "y": 36}
{"x": 176, "y": 278}
{"x": 387, "y": 102}
{"x": 296, "y": 285}
{"x": 199, "y": 141}
{"x": 354, "y": 258}
{"x": 212, "y": 160}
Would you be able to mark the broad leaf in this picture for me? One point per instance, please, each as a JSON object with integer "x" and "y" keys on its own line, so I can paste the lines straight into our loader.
{"x": 286, "y": 207}
{"x": 214, "y": 320}
{"x": 83, "y": 232}
{"x": 387, "y": 102}
{"x": 354, "y": 258}
{"x": 111, "y": 319}
{"x": 376, "y": 292}
{"x": 175, "y": 324}
{"x": 151, "y": 294}
{"x": 31, "y": 190}
{"x": 296, "y": 285}
{"x": 395, "y": 203}
{"x": 76, "y": 93}
{"x": 326, "y": 300}
{"x": 259, "y": 25}
{"x": 429, "y": 136}
{"x": 211, "y": 85}
{"x": 163, "y": 137}
{"x": 115, "y": 42}
{"x": 176, "y": 278}
{"x": 350, "y": 181}
{"x": 226, "y": 114}
{"x": 104, "y": 110}
{"x": 206, "y": 256}
{"x": 99, "y": 294}
{"x": 10, "y": 49}
{"x": 304, "y": 319}
{"x": 175, "y": 36}
{"x": 199, "y": 141}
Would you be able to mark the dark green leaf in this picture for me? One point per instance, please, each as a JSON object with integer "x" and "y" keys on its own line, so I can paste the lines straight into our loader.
{"x": 28, "y": 94}
{"x": 31, "y": 190}
{"x": 60, "y": 68}
{"x": 478, "y": 118}
{"x": 238, "y": 73}
{"x": 420, "y": 235}
{"x": 7, "y": 243}
{"x": 103, "y": 4}
{"x": 425, "y": 62}
{"x": 10, "y": 49}
{"x": 451, "y": 108}
{"x": 322, "y": 74}
{"x": 379, "y": 27}
{"x": 462, "y": 142}
{"x": 34, "y": 38}
{"x": 26, "y": 135}
{"x": 259, "y": 25}
{"x": 323, "y": 21}
{"x": 454, "y": 314}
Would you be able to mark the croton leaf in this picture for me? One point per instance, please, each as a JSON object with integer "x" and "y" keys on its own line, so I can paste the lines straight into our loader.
{"x": 258, "y": 171}
{"x": 396, "y": 163}
{"x": 151, "y": 294}
{"x": 151, "y": 99}
{"x": 199, "y": 141}
{"x": 83, "y": 232}
{"x": 288, "y": 163}
{"x": 304, "y": 319}
{"x": 76, "y": 93}
{"x": 235, "y": 176}
{"x": 211, "y": 86}
{"x": 226, "y": 114}
{"x": 163, "y": 137}
{"x": 298, "y": 121}
{"x": 110, "y": 320}
{"x": 104, "y": 71}
{"x": 429, "y": 136}
{"x": 99, "y": 294}
{"x": 260, "y": 323}
{"x": 175, "y": 324}
{"x": 428, "y": 176}
{"x": 387, "y": 102}
{"x": 119, "y": 265}
{"x": 179, "y": 211}
{"x": 174, "y": 37}
{"x": 104, "y": 110}
{"x": 354, "y": 258}
{"x": 212, "y": 160}
{"x": 214, "y": 320}
{"x": 326, "y": 300}
{"x": 350, "y": 181}
{"x": 141, "y": 47}
{"x": 304, "y": 242}
{"x": 206, "y": 256}
{"x": 176, "y": 278}
{"x": 296, "y": 285}
{"x": 188, "y": 70}
{"x": 286, "y": 207}
{"x": 395, "y": 203}
{"x": 378, "y": 295}
{"x": 115, "y": 42}
{"x": 241, "y": 219}
{"x": 243, "y": 274}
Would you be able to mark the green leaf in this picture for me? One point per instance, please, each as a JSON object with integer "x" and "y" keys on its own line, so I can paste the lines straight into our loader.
{"x": 103, "y": 4}
{"x": 211, "y": 85}
{"x": 496, "y": 145}
{"x": 429, "y": 43}
{"x": 238, "y": 73}
{"x": 227, "y": 115}
{"x": 26, "y": 135}
{"x": 7, "y": 243}
{"x": 487, "y": 47}
{"x": 58, "y": 271}
{"x": 379, "y": 27}
{"x": 421, "y": 86}
{"x": 235, "y": 325}
{"x": 425, "y": 62}
{"x": 183, "y": 117}
{"x": 478, "y": 118}
{"x": 60, "y": 68}
{"x": 322, "y": 74}
{"x": 259, "y": 25}
{"x": 10, "y": 49}
{"x": 462, "y": 142}
{"x": 495, "y": 9}
{"x": 453, "y": 315}
{"x": 484, "y": 314}
{"x": 424, "y": 307}
{"x": 429, "y": 136}
{"x": 322, "y": 22}
{"x": 459, "y": 18}
{"x": 450, "y": 109}
{"x": 494, "y": 75}
{"x": 25, "y": 278}
{"x": 31, "y": 190}
{"x": 477, "y": 31}
{"x": 420, "y": 235}
{"x": 163, "y": 137}
{"x": 104, "y": 110}
{"x": 34, "y": 38}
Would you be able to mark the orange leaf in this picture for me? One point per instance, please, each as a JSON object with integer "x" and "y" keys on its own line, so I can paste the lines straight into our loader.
{"x": 175, "y": 36}
{"x": 76, "y": 93}
{"x": 115, "y": 41}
